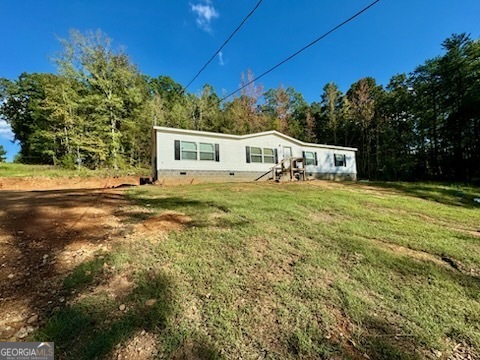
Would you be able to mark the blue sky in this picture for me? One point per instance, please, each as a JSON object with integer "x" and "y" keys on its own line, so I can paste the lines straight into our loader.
{"x": 176, "y": 38}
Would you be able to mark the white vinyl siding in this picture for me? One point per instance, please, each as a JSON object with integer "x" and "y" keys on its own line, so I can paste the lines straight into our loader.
{"x": 232, "y": 153}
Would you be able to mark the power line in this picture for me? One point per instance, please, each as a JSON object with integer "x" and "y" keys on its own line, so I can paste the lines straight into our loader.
{"x": 223, "y": 45}
{"x": 301, "y": 50}
{"x": 321, "y": 37}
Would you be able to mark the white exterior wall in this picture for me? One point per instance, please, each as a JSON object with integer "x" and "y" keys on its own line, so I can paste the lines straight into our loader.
{"x": 233, "y": 153}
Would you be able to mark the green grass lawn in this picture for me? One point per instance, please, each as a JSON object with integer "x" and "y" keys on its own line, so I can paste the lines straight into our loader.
{"x": 24, "y": 170}
{"x": 314, "y": 270}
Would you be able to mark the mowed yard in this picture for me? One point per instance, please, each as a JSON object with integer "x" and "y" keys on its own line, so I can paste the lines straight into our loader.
{"x": 277, "y": 271}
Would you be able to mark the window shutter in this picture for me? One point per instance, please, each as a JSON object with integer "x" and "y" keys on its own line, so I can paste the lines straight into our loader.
{"x": 276, "y": 156}
{"x": 248, "y": 153}
{"x": 303, "y": 154}
{"x": 217, "y": 152}
{"x": 177, "y": 149}
{"x": 345, "y": 160}
{"x": 316, "y": 158}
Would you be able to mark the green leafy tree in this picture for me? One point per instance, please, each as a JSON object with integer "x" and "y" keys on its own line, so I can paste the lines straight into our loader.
{"x": 362, "y": 100}
{"x": 458, "y": 69}
{"x": 331, "y": 104}
{"x": 426, "y": 83}
{"x": 170, "y": 101}
{"x": 310, "y": 127}
{"x": 207, "y": 115}
{"x": 287, "y": 111}
{"x": 114, "y": 98}
{"x": 21, "y": 107}
{"x": 396, "y": 155}
{"x": 446, "y": 101}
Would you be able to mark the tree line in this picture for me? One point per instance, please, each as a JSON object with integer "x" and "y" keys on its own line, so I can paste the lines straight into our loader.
{"x": 98, "y": 111}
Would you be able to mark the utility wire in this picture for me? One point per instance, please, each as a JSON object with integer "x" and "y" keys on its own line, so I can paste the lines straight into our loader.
{"x": 300, "y": 51}
{"x": 223, "y": 45}
{"x": 343, "y": 23}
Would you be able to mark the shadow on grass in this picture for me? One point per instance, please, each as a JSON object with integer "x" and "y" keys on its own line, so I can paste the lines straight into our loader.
{"x": 385, "y": 343}
{"x": 177, "y": 203}
{"x": 90, "y": 329}
{"x": 198, "y": 210}
{"x": 440, "y": 301}
{"x": 440, "y": 193}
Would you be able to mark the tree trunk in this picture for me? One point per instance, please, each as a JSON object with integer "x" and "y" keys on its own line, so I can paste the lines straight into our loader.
{"x": 113, "y": 124}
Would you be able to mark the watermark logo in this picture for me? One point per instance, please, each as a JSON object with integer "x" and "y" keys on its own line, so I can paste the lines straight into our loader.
{"x": 26, "y": 351}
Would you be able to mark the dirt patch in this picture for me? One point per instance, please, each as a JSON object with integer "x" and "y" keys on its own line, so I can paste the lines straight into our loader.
{"x": 43, "y": 236}
{"x": 142, "y": 346}
{"x": 420, "y": 255}
{"x": 451, "y": 225}
{"x": 342, "y": 333}
{"x": 197, "y": 347}
{"x": 370, "y": 190}
{"x": 474, "y": 233}
{"x": 167, "y": 221}
{"x": 323, "y": 217}
{"x": 61, "y": 183}
{"x": 464, "y": 351}
{"x": 244, "y": 188}
{"x": 469, "y": 232}
{"x": 118, "y": 287}
{"x": 375, "y": 190}
{"x": 76, "y": 253}
{"x": 323, "y": 183}
{"x": 416, "y": 254}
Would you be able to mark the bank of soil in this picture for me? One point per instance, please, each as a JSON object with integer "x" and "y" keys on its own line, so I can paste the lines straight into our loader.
{"x": 60, "y": 183}
{"x": 44, "y": 235}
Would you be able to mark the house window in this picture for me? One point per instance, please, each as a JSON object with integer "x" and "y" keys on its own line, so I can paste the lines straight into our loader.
{"x": 309, "y": 158}
{"x": 340, "y": 160}
{"x": 256, "y": 155}
{"x": 207, "y": 151}
{"x": 259, "y": 155}
{"x": 268, "y": 156}
{"x": 189, "y": 150}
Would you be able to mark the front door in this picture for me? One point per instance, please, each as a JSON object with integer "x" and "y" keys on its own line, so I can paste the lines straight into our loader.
{"x": 287, "y": 154}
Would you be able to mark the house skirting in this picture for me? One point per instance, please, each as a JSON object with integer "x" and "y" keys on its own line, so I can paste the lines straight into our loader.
{"x": 332, "y": 176}
{"x": 196, "y": 176}
{"x": 167, "y": 177}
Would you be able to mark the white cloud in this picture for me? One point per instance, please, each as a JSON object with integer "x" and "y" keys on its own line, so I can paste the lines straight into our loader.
{"x": 220, "y": 58}
{"x": 5, "y": 130}
{"x": 205, "y": 14}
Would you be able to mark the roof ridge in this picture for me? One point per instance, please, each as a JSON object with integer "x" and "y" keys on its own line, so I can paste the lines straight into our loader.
{"x": 246, "y": 136}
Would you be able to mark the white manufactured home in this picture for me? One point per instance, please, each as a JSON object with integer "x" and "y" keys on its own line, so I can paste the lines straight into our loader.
{"x": 188, "y": 156}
